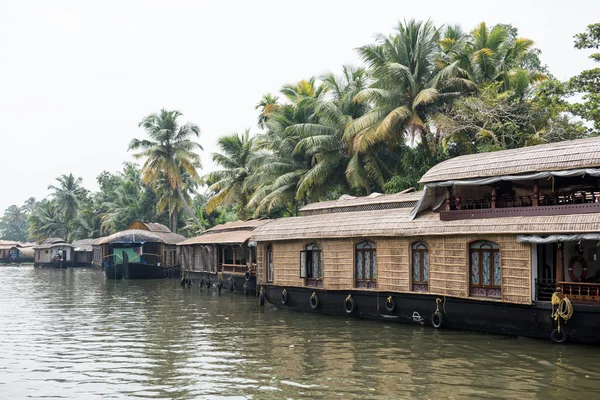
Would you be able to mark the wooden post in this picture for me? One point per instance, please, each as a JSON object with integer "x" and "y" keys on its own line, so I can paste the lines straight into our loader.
{"x": 250, "y": 256}
{"x": 560, "y": 269}
{"x": 493, "y": 205}
{"x": 222, "y": 255}
{"x": 536, "y": 193}
{"x": 234, "y": 255}
{"x": 448, "y": 198}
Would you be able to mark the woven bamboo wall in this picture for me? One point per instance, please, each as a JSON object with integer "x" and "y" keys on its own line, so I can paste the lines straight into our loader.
{"x": 393, "y": 261}
{"x": 338, "y": 263}
{"x": 448, "y": 264}
{"x": 261, "y": 273}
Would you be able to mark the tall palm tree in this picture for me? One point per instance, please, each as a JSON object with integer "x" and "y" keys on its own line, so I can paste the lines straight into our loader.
{"x": 238, "y": 155}
{"x": 491, "y": 55}
{"x": 13, "y": 224}
{"x": 408, "y": 91}
{"x": 168, "y": 151}
{"x": 267, "y": 105}
{"x": 67, "y": 195}
{"x": 46, "y": 220}
{"x": 279, "y": 170}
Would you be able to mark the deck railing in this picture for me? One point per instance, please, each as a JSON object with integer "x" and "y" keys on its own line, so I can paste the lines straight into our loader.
{"x": 580, "y": 290}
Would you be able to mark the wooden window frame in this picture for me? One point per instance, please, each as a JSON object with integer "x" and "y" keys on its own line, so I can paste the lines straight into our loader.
{"x": 488, "y": 288}
{"x": 270, "y": 272}
{"x": 372, "y": 254}
{"x": 414, "y": 247}
{"x": 306, "y": 266}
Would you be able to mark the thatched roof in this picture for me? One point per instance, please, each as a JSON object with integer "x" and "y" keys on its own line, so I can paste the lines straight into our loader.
{"x": 559, "y": 156}
{"x": 45, "y": 245}
{"x": 149, "y": 226}
{"x": 375, "y": 201}
{"x": 395, "y": 223}
{"x": 139, "y": 235}
{"x": 236, "y": 232}
{"x": 53, "y": 241}
{"x": 83, "y": 245}
{"x": 96, "y": 242}
{"x": 248, "y": 224}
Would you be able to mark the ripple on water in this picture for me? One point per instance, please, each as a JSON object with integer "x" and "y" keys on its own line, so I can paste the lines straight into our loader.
{"x": 72, "y": 334}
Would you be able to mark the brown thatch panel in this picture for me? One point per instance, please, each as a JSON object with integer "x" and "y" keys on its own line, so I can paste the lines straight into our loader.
{"x": 149, "y": 226}
{"x": 374, "y": 201}
{"x": 231, "y": 237}
{"x": 395, "y": 223}
{"x": 582, "y": 153}
{"x": 138, "y": 235}
{"x": 239, "y": 225}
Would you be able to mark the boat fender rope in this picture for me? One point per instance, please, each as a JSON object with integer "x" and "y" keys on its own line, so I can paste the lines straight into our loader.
{"x": 349, "y": 304}
{"x": 564, "y": 311}
{"x": 390, "y": 304}
{"x": 314, "y": 301}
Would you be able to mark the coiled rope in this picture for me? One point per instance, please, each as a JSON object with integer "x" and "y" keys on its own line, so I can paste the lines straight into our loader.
{"x": 564, "y": 309}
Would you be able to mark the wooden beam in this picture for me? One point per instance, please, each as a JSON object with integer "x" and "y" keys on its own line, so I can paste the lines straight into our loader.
{"x": 560, "y": 269}
{"x": 536, "y": 193}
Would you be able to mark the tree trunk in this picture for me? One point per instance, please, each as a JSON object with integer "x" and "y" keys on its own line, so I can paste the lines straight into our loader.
{"x": 174, "y": 221}
{"x": 188, "y": 210}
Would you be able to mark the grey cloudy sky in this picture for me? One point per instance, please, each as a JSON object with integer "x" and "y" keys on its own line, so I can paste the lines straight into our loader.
{"x": 77, "y": 76}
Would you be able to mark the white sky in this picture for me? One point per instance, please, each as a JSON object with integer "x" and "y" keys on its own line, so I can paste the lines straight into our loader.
{"x": 76, "y": 77}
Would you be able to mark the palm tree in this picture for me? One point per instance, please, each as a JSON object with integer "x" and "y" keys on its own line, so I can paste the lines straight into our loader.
{"x": 408, "y": 91}
{"x": 46, "y": 220}
{"x": 67, "y": 195}
{"x": 279, "y": 170}
{"x": 238, "y": 154}
{"x": 13, "y": 224}
{"x": 168, "y": 152}
{"x": 491, "y": 56}
{"x": 267, "y": 105}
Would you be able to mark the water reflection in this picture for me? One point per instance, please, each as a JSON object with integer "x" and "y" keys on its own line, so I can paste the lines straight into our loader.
{"x": 72, "y": 334}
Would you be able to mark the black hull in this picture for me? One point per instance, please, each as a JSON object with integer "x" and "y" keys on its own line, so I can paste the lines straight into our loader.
{"x": 533, "y": 321}
{"x": 139, "y": 271}
{"x": 13, "y": 261}
{"x": 231, "y": 282}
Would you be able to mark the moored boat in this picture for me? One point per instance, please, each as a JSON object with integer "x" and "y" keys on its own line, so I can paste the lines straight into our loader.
{"x": 502, "y": 242}
{"x": 143, "y": 251}
{"x": 222, "y": 257}
{"x": 53, "y": 253}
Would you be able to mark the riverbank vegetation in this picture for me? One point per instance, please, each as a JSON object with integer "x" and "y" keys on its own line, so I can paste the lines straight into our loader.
{"x": 422, "y": 94}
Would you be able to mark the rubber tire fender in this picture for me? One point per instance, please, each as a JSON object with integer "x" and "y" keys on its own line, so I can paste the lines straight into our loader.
{"x": 245, "y": 289}
{"x": 314, "y": 301}
{"x": 437, "y": 319}
{"x": 220, "y": 286}
{"x": 559, "y": 337}
{"x": 261, "y": 298}
{"x": 248, "y": 276}
{"x": 284, "y": 297}
{"x": 390, "y": 305}
{"x": 349, "y": 305}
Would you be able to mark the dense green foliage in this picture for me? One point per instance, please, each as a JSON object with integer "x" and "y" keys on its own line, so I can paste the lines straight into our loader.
{"x": 424, "y": 94}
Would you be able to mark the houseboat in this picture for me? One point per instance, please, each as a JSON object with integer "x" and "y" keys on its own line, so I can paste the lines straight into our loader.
{"x": 82, "y": 253}
{"x": 222, "y": 257}
{"x": 143, "y": 251}
{"x": 16, "y": 252}
{"x": 53, "y": 253}
{"x": 505, "y": 242}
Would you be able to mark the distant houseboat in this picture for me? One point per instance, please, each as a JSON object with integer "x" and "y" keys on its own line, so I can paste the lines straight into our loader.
{"x": 222, "y": 256}
{"x": 143, "y": 251}
{"x": 53, "y": 253}
{"x": 16, "y": 252}
{"x": 503, "y": 242}
{"x": 82, "y": 253}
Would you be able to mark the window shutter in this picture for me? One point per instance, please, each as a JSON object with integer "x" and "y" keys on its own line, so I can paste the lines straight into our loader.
{"x": 303, "y": 264}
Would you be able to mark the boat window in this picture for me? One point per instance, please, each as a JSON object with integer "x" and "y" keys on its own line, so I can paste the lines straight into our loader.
{"x": 420, "y": 267}
{"x": 485, "y": 269}
{"x": 366, "y": 264}
{"x": 311, "y": 262}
